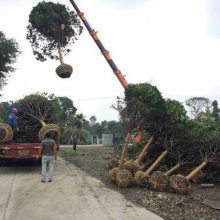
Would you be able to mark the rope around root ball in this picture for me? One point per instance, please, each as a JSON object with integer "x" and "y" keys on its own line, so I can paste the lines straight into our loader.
{"x": 46, "y": 129}
{"x": 64, "y": 71}
{"x": 112, "y": 174}
{"x": 114, "y": 162}
{"x": 158, "y": 181}
{"x": 132, "y": 167}
{"x": 124, "y": 178}
{"x": 141, "y": 178}
{"x": 6, "y": 133}
{"x": 179, "y": 184}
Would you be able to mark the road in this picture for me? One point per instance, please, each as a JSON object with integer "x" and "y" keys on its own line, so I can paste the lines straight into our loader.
{"x": 72, "y": 195}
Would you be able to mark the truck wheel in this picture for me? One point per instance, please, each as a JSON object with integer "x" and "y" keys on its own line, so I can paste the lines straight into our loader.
{"x": 2, "y": 162}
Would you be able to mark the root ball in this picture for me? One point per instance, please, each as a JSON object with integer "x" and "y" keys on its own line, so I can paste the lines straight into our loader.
{"x": 64, "y": 71}
{"x": 158, "y": 181}
{"x": 141, "y": 178}
{"x": 49, "y": 128}
{"x": 124, "y": 178}
{"x": 132, "y": 167}
{"x": 6, "y": 133}
{"x": 112, "y": 174}
{"x": 179, "y": 184}
{"x": 114, "y": 162}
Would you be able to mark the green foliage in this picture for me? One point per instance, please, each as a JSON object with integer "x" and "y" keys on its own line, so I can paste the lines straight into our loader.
{"x": 45, "y": 33}
{"x": 70, "y": 153}
{"x": 215, "y": 111}
{"x": 67, "y": 110}
{"x": 144, "y": 106}
{"x": 42, "y": 106}
{"x": 8, "y": 54}
{"x": 3, "y": 111}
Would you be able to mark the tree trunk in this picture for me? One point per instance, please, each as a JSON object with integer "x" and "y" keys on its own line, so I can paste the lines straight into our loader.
{"x": 152, "y": 167}
{"x": 124, "y": 150}
{"x": 172, "y": 169}
{"x": 145, "y": 149}
{"x": 60, "y": 55}
{"x": 196, "y": 170}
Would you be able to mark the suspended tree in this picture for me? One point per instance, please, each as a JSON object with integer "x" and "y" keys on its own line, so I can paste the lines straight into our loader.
{"x": 51, "y": 31}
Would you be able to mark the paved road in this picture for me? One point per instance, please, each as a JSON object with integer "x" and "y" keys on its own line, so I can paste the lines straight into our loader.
{"x": 73, "y": 195}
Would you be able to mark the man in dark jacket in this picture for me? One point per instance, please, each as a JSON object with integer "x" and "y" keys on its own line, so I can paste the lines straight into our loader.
{"x": 74, "y": 141}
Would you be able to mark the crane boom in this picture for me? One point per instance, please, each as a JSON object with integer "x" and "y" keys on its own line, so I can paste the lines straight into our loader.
{"x": 104, "y": 52}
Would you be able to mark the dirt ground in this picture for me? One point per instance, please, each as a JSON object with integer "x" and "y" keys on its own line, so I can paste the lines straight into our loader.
{"x": 169, "y": 206}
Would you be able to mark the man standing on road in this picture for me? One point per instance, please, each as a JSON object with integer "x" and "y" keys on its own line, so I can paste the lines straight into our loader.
{"x": 48, "y": 152}
{"x": 74, "y": 141}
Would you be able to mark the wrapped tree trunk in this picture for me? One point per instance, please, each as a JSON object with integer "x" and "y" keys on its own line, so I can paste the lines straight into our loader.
{"x": 134, "y": 166}
{"x": 142, "y": 178}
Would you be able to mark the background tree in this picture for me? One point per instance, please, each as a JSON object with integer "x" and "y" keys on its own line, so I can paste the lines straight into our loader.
{"x": 198, "y": 106}
{"x": 67, "y": 109}
{"x": 8, "y": 53}
{"x": 53, "y": 28}
{"x": 215, "y": 111}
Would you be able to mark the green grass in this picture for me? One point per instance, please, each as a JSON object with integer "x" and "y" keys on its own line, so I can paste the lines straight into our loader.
{"x": 68, "y": 153}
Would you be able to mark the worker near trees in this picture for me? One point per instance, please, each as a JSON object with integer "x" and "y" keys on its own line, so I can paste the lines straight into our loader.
{"x": 74, "y": 141}
{"x": 16, "y": 105}
{"x": 12, "y": 119}
{"x": 48, "y": 153}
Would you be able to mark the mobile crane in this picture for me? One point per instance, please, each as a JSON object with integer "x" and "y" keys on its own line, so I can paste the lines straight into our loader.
{"x": 106, "y": 55}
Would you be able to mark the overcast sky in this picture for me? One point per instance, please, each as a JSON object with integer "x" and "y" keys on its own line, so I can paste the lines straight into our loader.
{"x": 174, "y": 44}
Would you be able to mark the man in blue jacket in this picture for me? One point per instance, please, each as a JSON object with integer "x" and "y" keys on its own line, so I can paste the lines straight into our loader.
{"x": 16, "y": 105}
{"x": 12, "y": 119}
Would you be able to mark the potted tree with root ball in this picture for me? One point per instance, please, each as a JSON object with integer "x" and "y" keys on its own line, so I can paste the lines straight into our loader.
{"x": 52, "y": 29}
{"x": 40, "y": 113}
{"x": 205, "y": 133}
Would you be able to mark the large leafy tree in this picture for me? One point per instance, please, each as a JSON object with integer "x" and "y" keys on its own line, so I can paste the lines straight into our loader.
{"x": 51, "y": 31}
{"x": 67, "y": 109}
{"x": 143, "y": 107}
{"x": 8, "y": 53}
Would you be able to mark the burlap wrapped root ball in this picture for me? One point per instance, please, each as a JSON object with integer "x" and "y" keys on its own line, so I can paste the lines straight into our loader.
{"x": 64, "y": 70}
{"x": 49, "y": 128}
{"x": 114, "y": 162}
{"x": 124, "y": 178}
{"x": 158, "y": 181}
{"x": 132, "y": 167}
{"x": 141, "y": 178}
{"x": 112, "y": 174}
{"x": 179, "y": 184}
{"x": 6, "y": 133}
